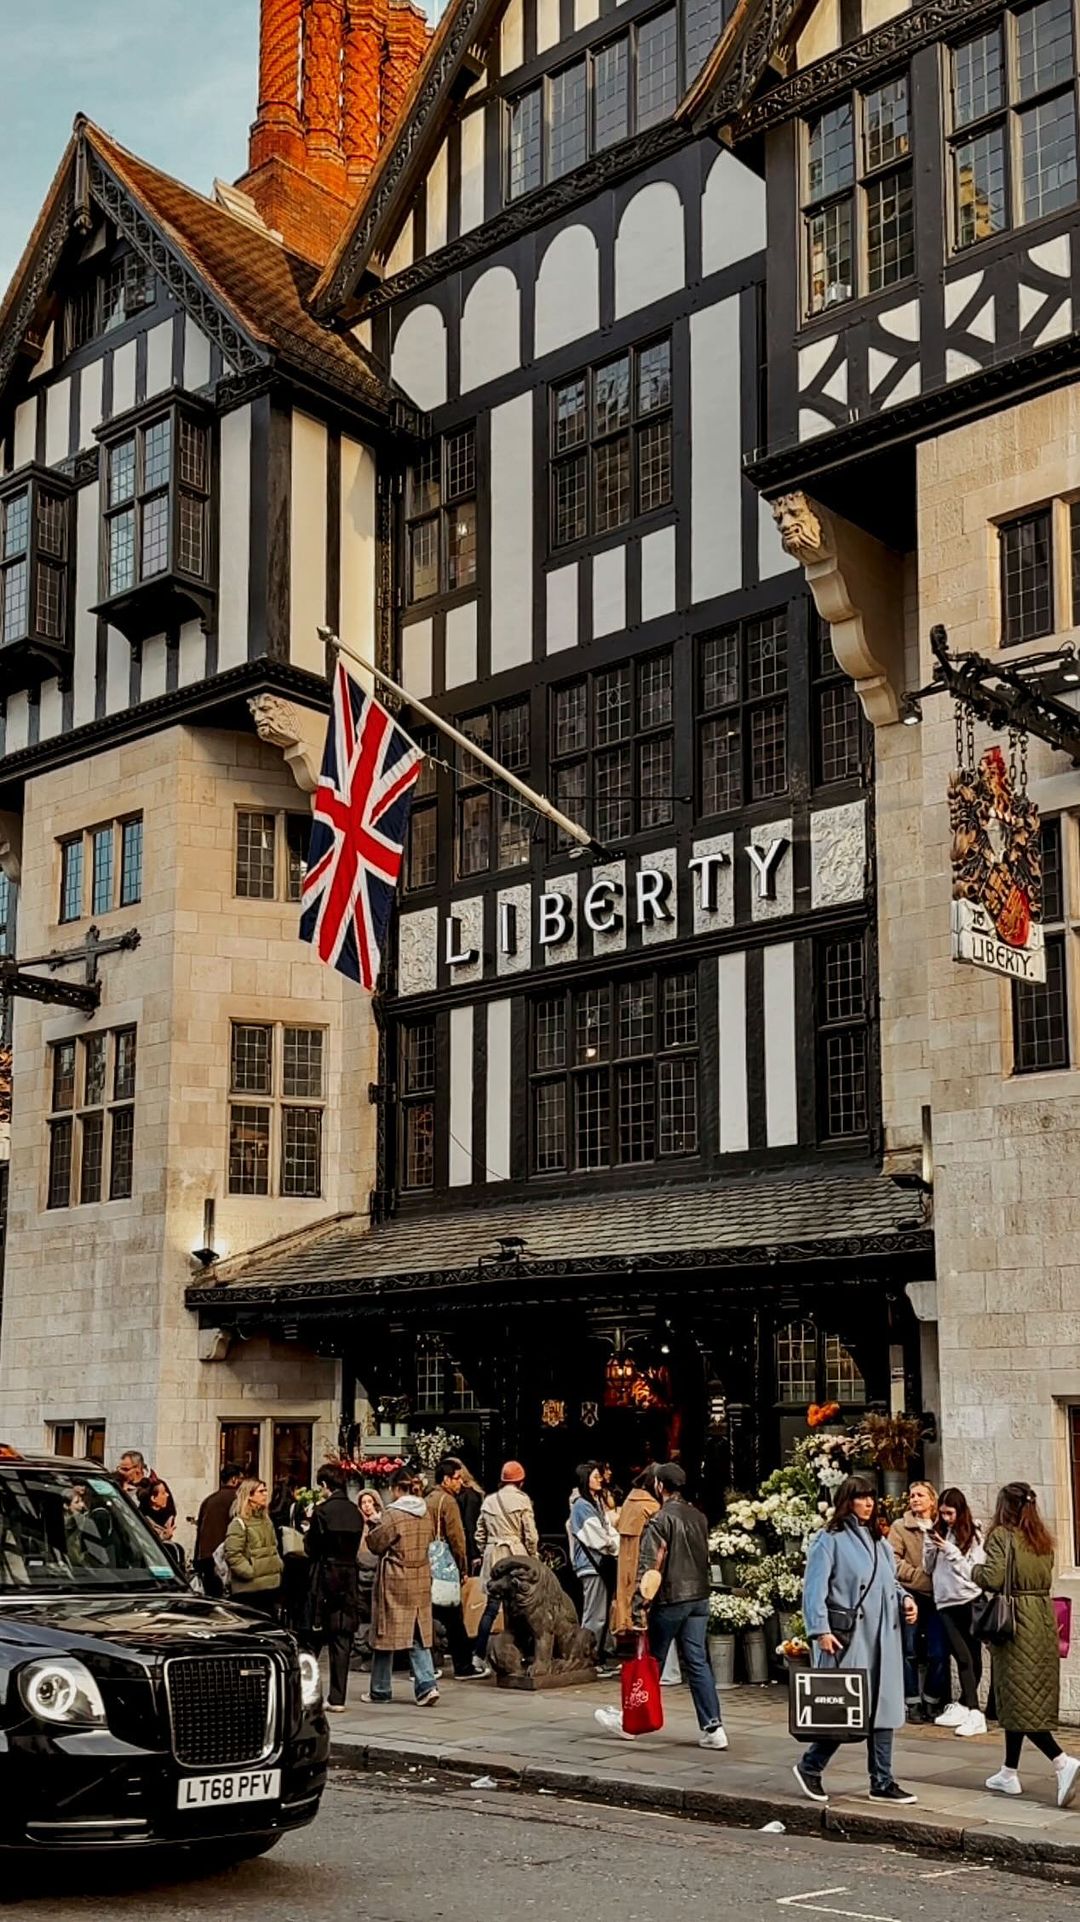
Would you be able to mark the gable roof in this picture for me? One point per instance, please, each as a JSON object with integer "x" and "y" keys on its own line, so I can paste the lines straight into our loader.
{"x": 242, "y": 286}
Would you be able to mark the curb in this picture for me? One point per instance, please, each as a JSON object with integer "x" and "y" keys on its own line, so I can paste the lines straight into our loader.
{"x": 930, "y": 1834}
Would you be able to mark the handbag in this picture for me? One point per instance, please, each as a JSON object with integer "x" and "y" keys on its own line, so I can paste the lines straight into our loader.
{"x": 445, "y": 1577}
{"x": 834, "y": 1704}
{"x": 292, "y": 1540}
{"x": 642, "y": 1702}
{"x": 1062, "y": 1607}
{"x": 993, "y": 1615}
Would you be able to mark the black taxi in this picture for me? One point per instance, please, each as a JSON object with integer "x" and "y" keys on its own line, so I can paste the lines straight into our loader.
{"x": 134, "y": 1713}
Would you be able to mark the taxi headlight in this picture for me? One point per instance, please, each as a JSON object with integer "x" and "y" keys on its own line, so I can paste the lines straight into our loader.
{"x": 310, "y": 1685}
{"x": 62, "y": 1690}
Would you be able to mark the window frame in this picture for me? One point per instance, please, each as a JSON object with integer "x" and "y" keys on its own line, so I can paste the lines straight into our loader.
{"x": 828, "y": 1027}
{"x": 855, "y": 195}
{"x": 1004, "y": 118}
{"x": 137, "y": 284}
{"x": 746, "y": 707}
{"x": 141, "y": 602}
{"x": 828, "y": 678}
{"x": 276, "y": 1104}
{"x": 634, "y": 429}
{"x": 1014, "y": 524}
{"x": 84, "y": 1438}
{"x": 438, "y": 516}
{"x": 597, "y": 751}
{"x": 416, "y": 1099}
{"x": 473, "y": 783}
{"x": 282, "y": 881}
{"x": 84, "y": 840}
{"x": 39, "y": 561}
{"x": 1060, "y": 930}
{"x": 69, "y": 1121}
{"x": 825, "y": 1382}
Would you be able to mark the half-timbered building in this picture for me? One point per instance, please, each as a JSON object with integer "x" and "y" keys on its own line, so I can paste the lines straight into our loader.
{"x": 628, "y": 1194}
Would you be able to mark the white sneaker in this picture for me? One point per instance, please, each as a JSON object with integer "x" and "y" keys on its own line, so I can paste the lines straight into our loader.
{"x": 1068, "y": 1782}
{"x": 610, "y": 1720}
{"x": 974, "y": 1723}
{"x": 717, "y": 1738}
{"x": 1005, "y": 1782}
{"x": 951, "y": 1717}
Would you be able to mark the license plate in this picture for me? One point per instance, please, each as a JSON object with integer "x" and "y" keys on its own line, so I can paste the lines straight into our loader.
{"x": 221, "y": 1791}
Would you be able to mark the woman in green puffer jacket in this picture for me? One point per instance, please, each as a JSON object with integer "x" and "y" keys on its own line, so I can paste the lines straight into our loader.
{"x": 251, "y": 1551}
{"x": 1020, "y": 1558}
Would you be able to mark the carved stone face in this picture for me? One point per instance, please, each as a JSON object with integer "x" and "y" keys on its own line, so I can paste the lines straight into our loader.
{"x": 798, "y": 527}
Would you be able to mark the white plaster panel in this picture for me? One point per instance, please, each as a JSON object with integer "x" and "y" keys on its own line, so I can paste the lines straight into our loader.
{"x": 731, "y": 999}
{"x": 811, "y": 423}
{"x": 90, "y": 401}
{"x": 836, "y": 385}
{"x": 437, "y": 183}
{"x": 400, "y": 255}
{"x": 1059, "y": 324}
{"x": 567, "y": 290}
{"x": 609, "y": 591}
{"x": 783, "y": 900}
{"x": 469, "y": 916}
{"x": 461, "y": 1097}
{"x": 902, "y": 322}
{"x": 838, "y": 855}
{"x": 117, "y": 673}
{"x": 490, "y": 328}
{"x": 472, "y": 171}
{"x": 654, "y": 933}
{"x": 196, "y": 356}
{"x": 613, "y": 940}
{"x": 57, "y": 422}
{"x": 658, "y": 573}
{"x": 585, "y": 12}
{"x": 84, "y": 671}
{"x": 17, "y": 727}
{"x": 732, "y": 214}
{"x": 958, "y": 364}
{"x": 772, "y": 556}
{"x": 152, "y": 678}
{"x": 878, "y": 365}
{"x": 235, "y": 555}
{"x": 461, "y": 644}
{"x": 512, "y": 37}
{"x": 499, "y": 1059}
{"x": 984, "y": 324}
{"x": 723, "y": 915}
{"x": 307, "y": 542}
{"x": 716, "y": 478}
{"x": 520, "y": 899}
{"x": 418, "y": 951}
{"x": 547, "y": 24}
{"x": 50, "y": 717}
{"x": 781, "y": 1087}
{"x": 649, "y": 250}
{"x": 159, "y": 359}
{"x": 191, "y": 665}
{"x": 812, "y": 359}
{"x": 511, "y": 532}
{"x": 358, "y": 543}
{"x": 418, "y": 357}
{"x": 1053, "y": 256}
{"x": 25, "y": 433}
{"x": 958, "y": 293}
{"x": 908, "y": 387}
{"x": 564, "y": 950}
{"x": 47, "y": 359}
{"x": 416, "y": 664}
{"x": 562, "y": 608}
{"x": 123, "y": 378}
{"x": 1031, "y": 299}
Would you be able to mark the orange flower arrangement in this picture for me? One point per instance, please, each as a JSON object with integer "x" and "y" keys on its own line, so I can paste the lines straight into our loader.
{"x": 819, "y": 1413}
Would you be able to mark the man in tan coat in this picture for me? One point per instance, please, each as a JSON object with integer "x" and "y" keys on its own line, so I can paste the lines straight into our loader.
{"x": 401, "y": 1602}
{"x": 442, "y": 1505}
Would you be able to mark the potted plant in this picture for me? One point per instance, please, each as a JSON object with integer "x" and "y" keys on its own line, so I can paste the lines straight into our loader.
{"x": 795, "y": 1648}
{"x": 889, "y": 1442}
{"x": 729, "y": 1548}
{"x": 727, "y": 1614}
{"x": 755, "y": 1652}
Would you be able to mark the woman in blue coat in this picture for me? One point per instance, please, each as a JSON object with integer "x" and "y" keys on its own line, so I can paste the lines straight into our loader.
{"x": 852, "y": 1604}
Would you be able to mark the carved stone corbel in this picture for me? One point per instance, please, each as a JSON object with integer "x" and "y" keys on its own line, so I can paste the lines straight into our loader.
{"x": 11, "y": 831}
{"x": 857, "y": 585}
{"x": 297, "y": 731}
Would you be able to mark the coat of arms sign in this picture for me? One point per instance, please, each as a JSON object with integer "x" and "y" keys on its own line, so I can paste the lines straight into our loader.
{"x": 997, "y": 866}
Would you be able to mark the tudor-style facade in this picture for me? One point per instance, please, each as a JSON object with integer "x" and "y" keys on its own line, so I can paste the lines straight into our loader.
{"x": 921, "y": 457}
{"x": 648, "y": 1078}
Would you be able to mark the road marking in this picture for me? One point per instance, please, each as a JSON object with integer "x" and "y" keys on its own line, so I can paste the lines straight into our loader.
{"x": 809, "y": 1902}
{"x": 939, "y": 1875}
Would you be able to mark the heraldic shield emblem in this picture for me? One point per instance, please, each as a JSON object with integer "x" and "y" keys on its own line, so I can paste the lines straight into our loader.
{"x": 997, "y": 871}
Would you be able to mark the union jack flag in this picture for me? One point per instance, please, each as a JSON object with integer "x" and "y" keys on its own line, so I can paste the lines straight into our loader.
{"x": 360, "y": 818}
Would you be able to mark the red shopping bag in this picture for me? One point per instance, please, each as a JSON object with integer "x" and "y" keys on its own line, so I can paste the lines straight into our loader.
{"x": 1063, "y": 1611}
{"x": 642, "y": 1702}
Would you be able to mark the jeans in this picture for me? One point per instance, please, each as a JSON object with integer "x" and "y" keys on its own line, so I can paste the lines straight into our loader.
{"x": 595, "y": 1609}
{"x": 967, "y": 1652}
{"x": 879, "y": 1757}
{"x": 685, "y": 1624}
{"x": 925, "y": 1632}
{"x": 487, "y": 1623}
{"x": 457, "y": 1642}
{"x": 382, "y": 1670}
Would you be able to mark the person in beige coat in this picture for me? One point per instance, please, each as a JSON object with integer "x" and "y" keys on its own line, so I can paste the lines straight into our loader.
{"x": 924, "y": 1638}
{"x": 401, "y": 1603}
{"x": 636, "y": 1510}
{"x": 506, "y": 1526}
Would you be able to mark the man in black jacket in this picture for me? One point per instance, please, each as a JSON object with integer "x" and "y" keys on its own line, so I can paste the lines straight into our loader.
{"x": 211, "y": 1527}
{"x": 673, "y": 1571}
{"x": 332, "y": 1542}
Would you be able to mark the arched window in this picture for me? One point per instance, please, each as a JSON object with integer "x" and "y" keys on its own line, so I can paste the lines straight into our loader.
{"x": 796, "y": 1362}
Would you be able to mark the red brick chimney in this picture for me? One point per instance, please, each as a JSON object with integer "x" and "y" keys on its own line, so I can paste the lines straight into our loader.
{"x": 332, "y": 78}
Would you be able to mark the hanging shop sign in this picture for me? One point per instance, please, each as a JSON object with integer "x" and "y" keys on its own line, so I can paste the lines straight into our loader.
{"x": 996, "y": 861}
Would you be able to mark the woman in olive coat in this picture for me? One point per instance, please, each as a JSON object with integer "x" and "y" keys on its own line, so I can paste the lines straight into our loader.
{"x": 1020, "y": 1558}
{"x": 251, "y": 1550}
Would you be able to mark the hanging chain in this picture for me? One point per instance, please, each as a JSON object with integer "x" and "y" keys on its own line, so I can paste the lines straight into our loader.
{"x": 1023, "y": 764}
{"x": 958, "y": 718}
{"x": 969, "y": 719}
{"x": 1012, "y": 758}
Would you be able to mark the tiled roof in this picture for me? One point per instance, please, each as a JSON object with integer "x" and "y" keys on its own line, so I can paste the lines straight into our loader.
{"x": 754, "y": 1219}
{"x": 264, "y": 286}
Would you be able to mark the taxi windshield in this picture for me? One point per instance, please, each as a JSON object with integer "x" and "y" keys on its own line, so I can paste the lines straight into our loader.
{"x": 64, "y": 1529}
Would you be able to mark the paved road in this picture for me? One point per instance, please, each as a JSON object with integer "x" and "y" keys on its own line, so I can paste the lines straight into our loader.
{"x": 424, "y": 1853}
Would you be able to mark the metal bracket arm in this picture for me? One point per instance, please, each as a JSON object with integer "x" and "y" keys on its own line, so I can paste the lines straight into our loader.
{"x": 1005, "y": 696}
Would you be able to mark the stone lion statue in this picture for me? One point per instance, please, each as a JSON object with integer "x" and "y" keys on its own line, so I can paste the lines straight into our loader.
{"x": 542, "y": 1636}
{"x": 798, "y": 527}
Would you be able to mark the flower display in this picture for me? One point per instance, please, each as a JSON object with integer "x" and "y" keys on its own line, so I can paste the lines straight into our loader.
{"x": 370, "y": 1468}
{"x": 430, "y": 1448}
{"x": 734, "y": 1543}
{"x": 819, "y": 1413}
{"x": 776, "y": 1579}
{"x": 728, "y": 1613}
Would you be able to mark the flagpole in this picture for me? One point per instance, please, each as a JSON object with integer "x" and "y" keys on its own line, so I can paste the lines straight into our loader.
{"x": 538, "y": 801}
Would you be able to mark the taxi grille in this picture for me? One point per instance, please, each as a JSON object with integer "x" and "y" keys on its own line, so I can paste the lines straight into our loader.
{"x": 220, "y": 1708}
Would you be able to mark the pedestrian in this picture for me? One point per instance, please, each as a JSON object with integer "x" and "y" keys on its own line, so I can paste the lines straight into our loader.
{"x": 210, "y": 1526}
{"x": 367, "y": 1564}
{"x": 640, "y": 1505}
{"x": 953, "y": 1548}
{"x": 924, "y": 1637}
{"x": 332, "y": 1544}
{"x": 442, "y": 1505}
{"x": 506, "y": 1525}
{"x": 852, "y": 1604}
{"x": 1020, "y": 1560}
{"x": 158, "y": 1510}
{"x": 251, "y": 1550}
{"x": 674, "y": 1580}
{"x": 610, "y": 1496}
{"x": 594, "y": 1548}
{"x": 470, "y": 1497}
{"x": 401, "y": 1610}
{"x": 133, "y": 1473}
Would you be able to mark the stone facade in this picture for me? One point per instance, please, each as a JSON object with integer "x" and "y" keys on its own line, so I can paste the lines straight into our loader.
{"x": 94, "y": 1326}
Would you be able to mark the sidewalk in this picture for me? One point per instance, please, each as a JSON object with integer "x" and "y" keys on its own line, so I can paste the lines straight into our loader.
{"x": 552, "y": 1742}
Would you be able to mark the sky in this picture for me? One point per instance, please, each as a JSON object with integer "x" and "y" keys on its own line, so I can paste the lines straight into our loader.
{"x": 175, "y": 80}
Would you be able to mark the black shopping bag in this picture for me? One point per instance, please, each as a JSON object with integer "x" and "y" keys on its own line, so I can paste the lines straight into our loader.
{"x": 829, "y": 1704}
